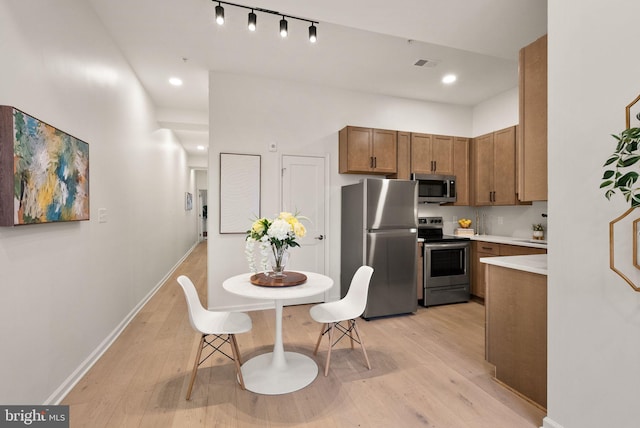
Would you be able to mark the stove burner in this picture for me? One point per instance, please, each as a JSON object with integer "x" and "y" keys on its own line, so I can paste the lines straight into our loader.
{"x": 430, "y": 229}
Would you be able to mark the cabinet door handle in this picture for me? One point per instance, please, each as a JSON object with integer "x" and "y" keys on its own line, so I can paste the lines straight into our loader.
{"x": 371, "y": 162}
{"x": 435, "y": 166}
{"x": 375, "y": 162}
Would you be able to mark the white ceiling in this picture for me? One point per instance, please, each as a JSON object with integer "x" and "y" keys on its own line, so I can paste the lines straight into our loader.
{"x": 363, "y": 45}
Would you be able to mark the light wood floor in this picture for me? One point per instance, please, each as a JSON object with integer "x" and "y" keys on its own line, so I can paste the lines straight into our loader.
{"x": 428, "y": 371}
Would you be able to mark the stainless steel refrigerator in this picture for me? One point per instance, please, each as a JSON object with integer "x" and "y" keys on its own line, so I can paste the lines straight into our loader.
{"x": 379, "y": 229}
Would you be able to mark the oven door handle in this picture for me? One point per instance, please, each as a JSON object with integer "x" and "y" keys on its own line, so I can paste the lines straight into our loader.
{"x": 444, "y": 245}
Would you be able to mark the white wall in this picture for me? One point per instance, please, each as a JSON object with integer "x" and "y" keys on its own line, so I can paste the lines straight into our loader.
{"x": 594, "y": 316}
{"x": 66, "y": 287}
{"x": 496, "y": 113}
{"x": 247, "y": 113}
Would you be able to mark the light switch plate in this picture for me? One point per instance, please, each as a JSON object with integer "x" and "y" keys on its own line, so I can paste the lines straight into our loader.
{"x": 102, "y": 215}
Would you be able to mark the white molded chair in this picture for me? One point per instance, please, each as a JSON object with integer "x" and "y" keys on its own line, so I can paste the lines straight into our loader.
{"x": 213, "y": 326}
{"x": 332, "y": 314}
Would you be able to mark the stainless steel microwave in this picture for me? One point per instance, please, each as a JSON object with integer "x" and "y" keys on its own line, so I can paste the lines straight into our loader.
{"x": 434, "y": 188}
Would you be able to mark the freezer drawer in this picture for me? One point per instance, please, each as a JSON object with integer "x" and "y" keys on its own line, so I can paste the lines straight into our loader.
{"x": 392, "y": 254}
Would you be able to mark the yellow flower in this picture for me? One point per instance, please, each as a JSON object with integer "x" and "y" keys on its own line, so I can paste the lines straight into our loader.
{"x": 258, "y": 226}
{"x": 299, "y": 229}
{"x": 285, "y": 216}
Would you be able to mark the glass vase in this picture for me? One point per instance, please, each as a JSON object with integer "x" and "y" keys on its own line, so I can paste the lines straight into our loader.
{"x": 278, "y": 258}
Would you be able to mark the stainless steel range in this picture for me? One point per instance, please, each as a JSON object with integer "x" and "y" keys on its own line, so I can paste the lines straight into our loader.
{"x": 445, "y": 264}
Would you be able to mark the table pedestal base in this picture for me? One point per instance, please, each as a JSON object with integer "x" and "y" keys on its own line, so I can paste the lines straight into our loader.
{"x": 262, "y": 376}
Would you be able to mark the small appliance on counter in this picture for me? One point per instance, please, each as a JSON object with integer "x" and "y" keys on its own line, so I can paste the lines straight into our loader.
{"x": 379, "y": 229}
{"x": 445, "y": 264}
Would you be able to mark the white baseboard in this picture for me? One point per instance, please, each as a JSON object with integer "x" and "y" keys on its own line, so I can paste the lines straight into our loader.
{"x": 547, "y": 422}
{"x": 66, "y": 386}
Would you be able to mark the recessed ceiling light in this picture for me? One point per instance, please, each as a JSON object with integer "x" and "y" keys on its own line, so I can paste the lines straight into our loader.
{"x": 200, "y": 147}
{"x": 175, "y": 81}
{"x": 449, "y": 78}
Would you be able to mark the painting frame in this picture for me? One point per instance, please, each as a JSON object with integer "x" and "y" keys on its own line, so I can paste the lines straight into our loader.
{"x": 44, "y": 172}
{"x": 188, "y": 201}
{"x": 632, "y": 113}
{"x": 240, "y": 191}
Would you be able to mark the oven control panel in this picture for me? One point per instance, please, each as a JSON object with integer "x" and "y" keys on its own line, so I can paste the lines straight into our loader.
{"x": 430, "y": 222}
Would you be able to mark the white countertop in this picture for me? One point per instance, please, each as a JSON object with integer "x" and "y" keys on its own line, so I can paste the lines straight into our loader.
{"x": 534, "y": 263}
{"x": 523, "y": 242}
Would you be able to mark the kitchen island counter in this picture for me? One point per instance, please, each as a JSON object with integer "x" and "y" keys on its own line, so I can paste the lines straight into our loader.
{"x": 516, "y": 323}
{"x": 534, "y": 263}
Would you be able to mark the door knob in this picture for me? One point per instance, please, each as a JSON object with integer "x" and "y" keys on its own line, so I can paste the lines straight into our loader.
{"x": 319, "y": 238}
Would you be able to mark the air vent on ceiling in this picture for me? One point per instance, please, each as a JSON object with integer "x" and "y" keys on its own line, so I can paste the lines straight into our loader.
{"x": 426, "y": 63}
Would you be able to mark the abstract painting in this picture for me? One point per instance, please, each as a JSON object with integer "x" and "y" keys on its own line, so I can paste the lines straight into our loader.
{"x": 44, "y": 172}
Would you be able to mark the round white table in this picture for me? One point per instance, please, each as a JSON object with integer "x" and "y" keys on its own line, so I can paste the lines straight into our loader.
{"x": 278, "y": 372}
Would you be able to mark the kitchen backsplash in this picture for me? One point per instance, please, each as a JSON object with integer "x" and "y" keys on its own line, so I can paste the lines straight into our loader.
{"x": 513, "y": 221}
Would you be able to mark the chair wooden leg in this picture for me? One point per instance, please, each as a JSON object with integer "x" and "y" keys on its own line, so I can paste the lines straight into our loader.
{"x": 236, "y": 359}
{"x": 351, "y": 324}
{"x": 326, "y": 367}
{"x": 315, "y": 351}
{"x": 196, "y": 363}
{"x": 355, "y": 327}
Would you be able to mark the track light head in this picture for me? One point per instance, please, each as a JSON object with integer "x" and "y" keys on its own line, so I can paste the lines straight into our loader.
{"x": 219, "y": 14}
{"x": 253, "y": 19}
{"x": 313, "y": 33}
{"x": 283, "y": 27}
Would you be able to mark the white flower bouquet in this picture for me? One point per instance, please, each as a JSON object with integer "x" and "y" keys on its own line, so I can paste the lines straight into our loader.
{"x": 274, "y": 236}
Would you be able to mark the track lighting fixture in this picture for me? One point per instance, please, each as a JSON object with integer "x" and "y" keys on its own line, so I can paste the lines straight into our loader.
{"x": 253, "y": 19}
{"x": 219, "y": 14}
{"x": 313, "y": 35}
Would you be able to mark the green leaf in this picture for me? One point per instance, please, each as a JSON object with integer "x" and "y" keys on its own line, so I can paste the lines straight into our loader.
{"x": 630, "y": 161}
{"x": 635, "y": 201}
{"x": 611, "y": 160}
{"x": 627, "y": 180}
{"x": 606, "y": 183}
{"x": 609, "y": 194}
{"x": 608, "y": 174}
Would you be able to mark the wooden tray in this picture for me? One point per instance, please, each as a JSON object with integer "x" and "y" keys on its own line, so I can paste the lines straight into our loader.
{"x": 291, "y": 279}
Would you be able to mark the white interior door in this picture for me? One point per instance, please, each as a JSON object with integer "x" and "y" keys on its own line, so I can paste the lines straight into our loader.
{"x": 304, "y": 190}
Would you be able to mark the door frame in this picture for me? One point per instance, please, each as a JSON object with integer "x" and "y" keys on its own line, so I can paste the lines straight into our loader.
{"x": 327, "y": 198}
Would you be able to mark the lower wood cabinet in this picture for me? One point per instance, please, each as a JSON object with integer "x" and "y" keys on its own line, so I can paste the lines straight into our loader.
{"x": 516, "y": 330}
{"x": 480, "y": 249}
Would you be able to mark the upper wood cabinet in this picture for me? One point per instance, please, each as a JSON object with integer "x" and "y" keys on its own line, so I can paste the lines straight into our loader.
{"x": 367, "y": 151}
{"x": 431, "y": 154}
{"x": 461, "y": 170}
{"x": 404, "y": 157}
{"x": 493, "y": 165}
{"x": 532, "y": 141}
